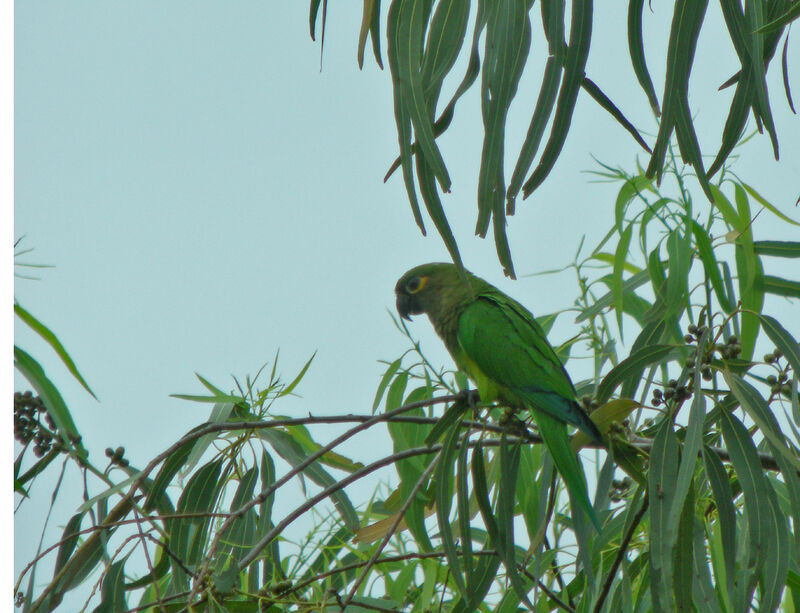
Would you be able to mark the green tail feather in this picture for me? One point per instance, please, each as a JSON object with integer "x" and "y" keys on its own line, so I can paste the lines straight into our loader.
{"x": 554, "y": 435}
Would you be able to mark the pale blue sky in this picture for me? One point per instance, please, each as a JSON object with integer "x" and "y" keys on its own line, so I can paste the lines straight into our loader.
{"x": 208, "y": 196}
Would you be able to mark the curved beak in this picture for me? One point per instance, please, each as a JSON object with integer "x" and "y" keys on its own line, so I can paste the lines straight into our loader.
{"x": 404, "y": 305}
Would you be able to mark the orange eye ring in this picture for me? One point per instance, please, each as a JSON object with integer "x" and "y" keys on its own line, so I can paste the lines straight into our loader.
{"x": 416, "y": 284}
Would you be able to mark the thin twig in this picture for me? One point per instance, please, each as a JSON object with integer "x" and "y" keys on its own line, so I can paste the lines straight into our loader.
{"x": 386, "y": 537}
{"x": 387, "y": 560}
{"x": 623, "y": 548}
{"x": 267, "y": 491}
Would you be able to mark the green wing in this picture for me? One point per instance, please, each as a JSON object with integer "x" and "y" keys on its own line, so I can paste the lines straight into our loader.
{"x": 502, "y": 340}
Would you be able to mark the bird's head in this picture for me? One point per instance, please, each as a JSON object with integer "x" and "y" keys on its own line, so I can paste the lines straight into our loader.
{"x": 421, "y": 289}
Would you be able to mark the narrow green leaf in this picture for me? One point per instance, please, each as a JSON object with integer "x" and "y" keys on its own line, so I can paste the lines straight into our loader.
{"x": 401, "y": 114}
{"x": 783, "y": 340}
{"x": 406, "y": 38}
{"x": 606, "y": 300}
{"x": 726, "y": 515}
{"x": 683, "y": 555}
{"x": 785, "y": 70}
{"x": 272, "y": 567}
{"x": 446, "y": 422}
{"x": 387, "y": 376}
{"x": 210, "y": 386}
{"x": 750, "y": 272}
{"x": 481, "y": 486}
{"x": 69, "y": 539}
{"x": 776, "y": 562}
{"x": 616, "y": 280}
{"x": 312, "y": 17}
{"x": 486, "y": 573}
{"x": 508, "y": 36}
{"x": 464, "y": 514}
{"x": 631, "y": 368}
{"x": 52, "y": 400}
{"x": 702, "y": 587}
{"x": 779, "y": 249}
{"x": 780, "y": 286}
{"x": 729, "y": 214}
{"x": 219, "y": 414}
{"x": 630, "y": 189}
{"x": 574, "y": 72}
{"x": 758, "y": 410}
{"x": 236, "y": 540}
{"x": 291, "y": 451}
{"x": 677, "y": 290}
{"x": 187, "y": 536}
{"x": 369, "y": 18}
{"x": 661, "y": 489}
{"x": 792, "y": 13}
{"x": 684, "y": 30}
{"x": 444, "y": 498}
{"x": 756, "y": 490}
{"x": 396, "y": 391}
{"x": 45, "y": 332}
{"x": 688, "y": 459}
{"x": 160, "y": 569}
{"x": 687, "y": 138}
{"x": 763, "y": 202}
{"x": 172, "y": 464}
{"x": 652, "y": 333}
{"x": 288, "y": 389}
{"x": 734, "y": 124}
{"x": 636, "y": 50}
{"x": 446, "y": 33}
{"x": 608, "y": 258}
{"x": 112, "y": 590}
{"x": 706, "y": 253}
{"x": 541, "y": 115}
{"x": 433, "y": 204}
{"x": 506, "y": 498}
{"x": 604, "y": 101}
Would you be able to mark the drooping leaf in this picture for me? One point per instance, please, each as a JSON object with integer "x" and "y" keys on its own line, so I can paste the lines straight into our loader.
{"x": 726, "y": 515}
{"x": 631, "y": 368}
{"x": 783, "y": 340}
{"x": 112, "y": 590}
{"x": 661, "y": 491}
{"x": 45, "y": 332}
{"x": 779, "y": 249}
{"x": 291, "y": 451}
{"x": 636, "y": 50}
{"x": 710, "y": 266}
{"x": 53, "y": 402}
{"x": 444, "y": 497}
{"x": 574, "y": 71}
{"x": 188, "y": 532}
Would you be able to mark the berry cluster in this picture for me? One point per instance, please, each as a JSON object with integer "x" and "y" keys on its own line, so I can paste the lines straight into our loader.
{"x": 29, "y": 413}
{"x": 780, "y": 383}
{"x": 116, "y": 456}
{"x": 589, "y": 404}
{"x": 728, "y": 350}
{"x": 619, "y": 489}
{"x": 672, "y": 391}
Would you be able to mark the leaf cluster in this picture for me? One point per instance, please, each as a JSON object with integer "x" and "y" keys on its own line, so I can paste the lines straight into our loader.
{"x": 425, "y": 39}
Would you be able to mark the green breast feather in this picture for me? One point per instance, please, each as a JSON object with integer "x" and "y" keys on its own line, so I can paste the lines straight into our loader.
{"x": 502, "y": 343}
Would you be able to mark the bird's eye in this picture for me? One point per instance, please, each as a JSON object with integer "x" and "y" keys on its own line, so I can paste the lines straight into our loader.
{"x": 415, "y": 284}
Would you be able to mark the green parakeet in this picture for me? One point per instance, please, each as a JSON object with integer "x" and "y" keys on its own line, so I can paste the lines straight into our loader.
{"x": 500, "y": 346}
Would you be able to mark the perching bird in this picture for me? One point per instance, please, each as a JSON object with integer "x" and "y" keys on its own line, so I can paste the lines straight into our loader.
{"x": 500, "y": 346}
